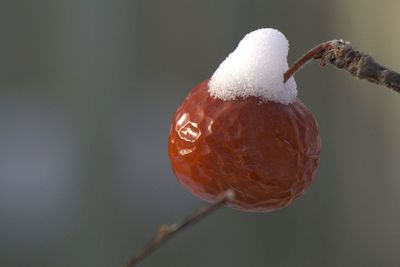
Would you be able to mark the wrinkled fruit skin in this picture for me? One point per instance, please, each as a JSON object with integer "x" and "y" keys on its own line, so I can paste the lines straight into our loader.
{"x": 267, "y": 152}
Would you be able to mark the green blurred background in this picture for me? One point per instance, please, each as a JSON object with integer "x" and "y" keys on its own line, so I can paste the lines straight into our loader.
{"x": 87, "y": 91}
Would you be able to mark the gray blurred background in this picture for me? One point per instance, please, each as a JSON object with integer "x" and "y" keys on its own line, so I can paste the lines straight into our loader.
{"x": 87, "y": 91}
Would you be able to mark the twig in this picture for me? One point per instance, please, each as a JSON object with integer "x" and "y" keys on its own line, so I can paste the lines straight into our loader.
{"x": 165, "y": 232}
{"x": 336, "y": 52}
{"x": 343, "y": 56}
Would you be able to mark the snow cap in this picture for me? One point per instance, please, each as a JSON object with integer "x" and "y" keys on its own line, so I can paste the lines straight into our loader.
{"x": 256, "y": 68}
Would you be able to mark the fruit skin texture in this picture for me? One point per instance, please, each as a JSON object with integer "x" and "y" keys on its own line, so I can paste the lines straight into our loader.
{"x": 267, "y": 152}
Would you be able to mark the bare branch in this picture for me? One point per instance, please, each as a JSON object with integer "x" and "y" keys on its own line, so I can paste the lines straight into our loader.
{"x": 343, "y": 56}
{"x": 337, "y": 53}
{"x": 165, "y": 232}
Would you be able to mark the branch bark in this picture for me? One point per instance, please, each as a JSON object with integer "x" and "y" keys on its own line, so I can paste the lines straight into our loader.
{"x": 337, "y": 53}
{"x": 165, "y": 232}
{"x": 342, "y": 55}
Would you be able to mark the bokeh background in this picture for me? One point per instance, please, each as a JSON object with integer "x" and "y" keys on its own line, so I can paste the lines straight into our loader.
{"x": 87, "y": 91}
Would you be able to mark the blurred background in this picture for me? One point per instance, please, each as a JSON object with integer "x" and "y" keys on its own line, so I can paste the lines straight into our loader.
{"x": 87, "y": 91}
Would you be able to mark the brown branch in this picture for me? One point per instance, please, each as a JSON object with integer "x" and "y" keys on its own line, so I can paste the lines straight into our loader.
{"x": 165, "y": 232}
{"x": 343, "y": 56}
{"x": 337, "y": 53}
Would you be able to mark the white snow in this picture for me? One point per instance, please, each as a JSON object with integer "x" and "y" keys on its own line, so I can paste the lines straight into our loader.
{"x": 256, "y": 68}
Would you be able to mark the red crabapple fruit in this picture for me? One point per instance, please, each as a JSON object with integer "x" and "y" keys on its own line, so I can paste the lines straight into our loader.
{"x": 244, "y": 129}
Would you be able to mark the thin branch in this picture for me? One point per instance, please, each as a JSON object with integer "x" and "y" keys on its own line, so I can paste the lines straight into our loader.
{"x": 337, "y": 53}
{"x": 343, "y": 56}
{"x": 165, "y": 232}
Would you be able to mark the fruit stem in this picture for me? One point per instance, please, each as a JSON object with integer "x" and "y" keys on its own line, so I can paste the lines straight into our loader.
{"x": 165, "y": 232}
{"x": 314, "y": 53}
{"x": 342, "y": 55}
